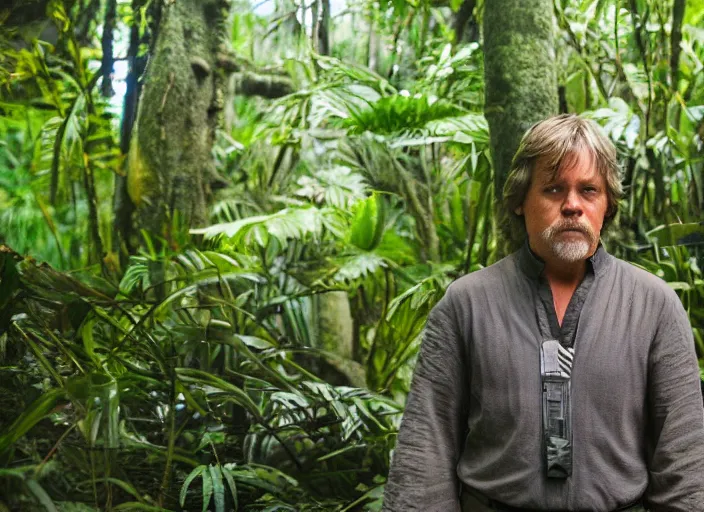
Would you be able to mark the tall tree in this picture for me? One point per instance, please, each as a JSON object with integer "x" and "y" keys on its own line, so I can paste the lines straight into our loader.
{"x": 171, "y": 171}
{"x": 324, "y": 28}
{"x": 678, "y": 9}
{"x": 520, "y": 74}
{"x": 464, "y": 23}
{"x": 170, "y": 162}
{"x": 106, "y": 43}
{"x": 122, "y": 205}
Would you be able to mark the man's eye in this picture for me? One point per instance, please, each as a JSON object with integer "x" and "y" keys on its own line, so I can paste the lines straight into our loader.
{"x": 551, "y": 190}
{"x": 590, "y": 190}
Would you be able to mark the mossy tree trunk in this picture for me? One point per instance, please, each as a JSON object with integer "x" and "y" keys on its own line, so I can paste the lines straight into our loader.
{"x": 520, "y": 74}
{"x": 170, "y": 169}
{"x": 333, "y": 332}
{"x": 170, "y": 163}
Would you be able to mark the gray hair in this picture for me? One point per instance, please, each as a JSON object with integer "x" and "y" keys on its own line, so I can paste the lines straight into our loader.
{"x": 552, "y": 140}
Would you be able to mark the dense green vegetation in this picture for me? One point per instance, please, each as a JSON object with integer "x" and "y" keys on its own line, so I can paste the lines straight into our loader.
{"x": 256, "y": 355}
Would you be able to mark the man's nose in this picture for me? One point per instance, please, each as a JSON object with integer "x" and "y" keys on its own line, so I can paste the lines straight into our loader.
{"x": 572, "y": 205}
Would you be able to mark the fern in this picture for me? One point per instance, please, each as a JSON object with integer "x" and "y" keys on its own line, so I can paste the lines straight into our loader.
{"x": 285, "y": 225}
{"x": 400, "y": 112}
{"x": 338, "y": 187}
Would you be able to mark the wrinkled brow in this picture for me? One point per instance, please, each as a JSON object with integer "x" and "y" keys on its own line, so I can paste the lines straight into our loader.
{"x": 567, "y": 162}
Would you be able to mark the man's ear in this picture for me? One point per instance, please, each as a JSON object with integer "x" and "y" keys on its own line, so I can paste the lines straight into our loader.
{"x": 519, "y": 210}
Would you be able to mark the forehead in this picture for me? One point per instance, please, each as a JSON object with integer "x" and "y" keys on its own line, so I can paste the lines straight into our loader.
{"x": 578, "y": 165}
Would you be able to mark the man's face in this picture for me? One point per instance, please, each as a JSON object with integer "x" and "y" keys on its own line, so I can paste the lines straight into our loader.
{"x": 564, "y": 213}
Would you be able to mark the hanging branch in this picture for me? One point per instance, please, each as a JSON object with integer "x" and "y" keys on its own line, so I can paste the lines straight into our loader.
{"x": 106, "y": 43}
{"x": 401, "y": 26}
{"x": 573, "y": 40}
{"x": 638, "y": 31}
{"x": 267, "y": 86}
{"x": 620, "y": 71}
{"x": 658, "y": 177}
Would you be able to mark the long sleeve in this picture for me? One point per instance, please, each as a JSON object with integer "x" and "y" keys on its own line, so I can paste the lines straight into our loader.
{"x": 676, "y": 448}
{"x": 423, "y": 473}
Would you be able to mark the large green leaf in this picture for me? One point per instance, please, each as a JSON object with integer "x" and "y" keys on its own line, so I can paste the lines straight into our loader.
{"x": 207, "y": 489}
{"x": 358, "y": 266}
{"x": 36, "y": 411}
{"x": 218, "y": 488}
{"x": 399, "y": 113}
{"x": 285, "y": 225}
{"x": 41, "y": 495}
{"x": 338, "y": 187}
{"x": 368, "y": 223}
{"x": 193, "y": 376}
{"x": 186, "y": 484}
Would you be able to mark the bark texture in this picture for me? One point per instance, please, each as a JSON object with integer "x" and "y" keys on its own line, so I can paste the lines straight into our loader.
{"x": 520, "y": 74}
{"x": 323, "y": 29}
{"x": 675, "y": 40}
{"x": 464, "y": 24}
{"x": 248, "y": 83}
{"x": 332, "y": 324}
{"x": 170, "y": 162}
{"x": 106, "y": 43}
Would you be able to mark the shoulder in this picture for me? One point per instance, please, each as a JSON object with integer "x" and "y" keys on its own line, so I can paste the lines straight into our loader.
{"x": 487, "y": 283}
{"x": 646, "y": 285}
{"x": 487, "y": 277}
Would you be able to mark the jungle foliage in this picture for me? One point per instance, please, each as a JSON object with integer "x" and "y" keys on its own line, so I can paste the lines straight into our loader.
{"x": 260, "y": 360}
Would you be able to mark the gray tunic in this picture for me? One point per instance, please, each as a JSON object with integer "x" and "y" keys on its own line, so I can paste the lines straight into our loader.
{"x": 473, "y": 416}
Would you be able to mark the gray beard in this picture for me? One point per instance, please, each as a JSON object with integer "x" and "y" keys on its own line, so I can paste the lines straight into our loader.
{"x": 570, "y": 251}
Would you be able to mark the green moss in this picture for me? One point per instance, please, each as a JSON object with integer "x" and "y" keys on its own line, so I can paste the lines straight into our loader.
{"x": 140, "y": 179}
{"x": 334, "y": 323}
{"x": 521, "y": 79}
{"x": 172, "y": 159}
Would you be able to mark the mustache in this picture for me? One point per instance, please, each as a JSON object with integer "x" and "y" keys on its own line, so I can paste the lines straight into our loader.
{"x": 561, "y": 226}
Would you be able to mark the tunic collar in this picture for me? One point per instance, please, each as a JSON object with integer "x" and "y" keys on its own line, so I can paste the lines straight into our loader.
{"x": 533, "y": 266}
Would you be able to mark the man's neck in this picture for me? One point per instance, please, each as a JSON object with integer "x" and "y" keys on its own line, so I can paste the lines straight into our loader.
{"x": 559, "y": 272}
{"x": 563, "y": 280}
{"x": 565, "y": 274}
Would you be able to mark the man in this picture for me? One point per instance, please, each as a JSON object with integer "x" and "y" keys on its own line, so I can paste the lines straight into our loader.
{"x": 560, "y": 378}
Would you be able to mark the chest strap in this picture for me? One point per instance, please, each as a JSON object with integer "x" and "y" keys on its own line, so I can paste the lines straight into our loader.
{"x": 555, "y": 372}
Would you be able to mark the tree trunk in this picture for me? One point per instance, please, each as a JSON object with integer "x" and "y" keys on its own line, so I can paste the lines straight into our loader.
{"x": 333, "y": 331}
{"x": 106, "y": 43}
{"x": 372, "y": 46}
{"x": 122, "y": 205}
{"x": 520, "y": 75}
{"x": 86, "y": 12}
{"x": 324, "y": 28}
{"x": 463, "y": 20}
{"x": 675, "y": 40}
{"x": 170, "y": 162}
